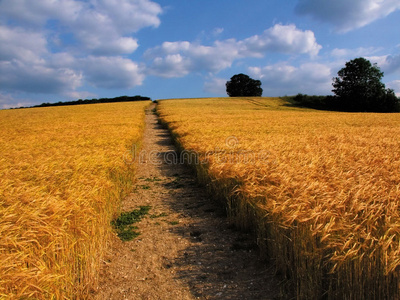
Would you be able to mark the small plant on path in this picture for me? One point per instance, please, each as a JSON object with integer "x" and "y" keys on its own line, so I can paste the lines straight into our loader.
{"x": 123, "y": 224}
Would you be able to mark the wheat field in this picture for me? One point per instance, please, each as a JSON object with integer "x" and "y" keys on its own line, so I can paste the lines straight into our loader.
{"x": 320, "y": 189}
{"x": 62, "y": 175}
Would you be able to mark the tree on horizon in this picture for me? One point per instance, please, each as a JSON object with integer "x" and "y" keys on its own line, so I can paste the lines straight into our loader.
{"x": 241, "y": 85}
{"x": 358, "y": 87}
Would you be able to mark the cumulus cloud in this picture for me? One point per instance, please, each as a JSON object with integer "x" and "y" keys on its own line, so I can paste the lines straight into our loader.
{"x": 216, "y": 85}
{"x": 100, "y": 45}
{"x": 17, "y": 43}
{"x": 130, "y": 15}
{"x": 37, "y": 78}
{"x": 284, "y": 79}
{"x": 389, "y": 64}
{"x": 26, "y": 64}
{"x": 394, "y": 85}
{"x": 30, "y": 31}
{"x": 392, "y": 64}
{"x": 112, "y": 72}
{"x": 282, "y": 39}
{"x": 37, "y": 13}
{"x": 347, "y": 15}
{"x": 102, "y": 27}
{"x": 171, "y": 65}
{"x": 176, "y": 59}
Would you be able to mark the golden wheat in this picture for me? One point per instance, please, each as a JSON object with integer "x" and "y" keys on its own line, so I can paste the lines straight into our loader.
{"x": 62, "y": 174}
{"x": 321, "y": 188}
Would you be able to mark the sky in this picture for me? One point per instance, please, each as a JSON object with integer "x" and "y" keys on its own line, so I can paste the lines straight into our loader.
{"x": 62, "y": 50}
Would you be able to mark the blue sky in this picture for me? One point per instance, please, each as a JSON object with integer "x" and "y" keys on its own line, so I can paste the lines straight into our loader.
{"x": 59, "y": 50}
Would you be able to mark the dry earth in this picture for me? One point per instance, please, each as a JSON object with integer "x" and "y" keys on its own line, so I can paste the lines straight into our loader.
{"x": 187, "y": 248}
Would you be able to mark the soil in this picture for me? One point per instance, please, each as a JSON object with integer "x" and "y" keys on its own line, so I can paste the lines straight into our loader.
{"x": 187, "y": 249}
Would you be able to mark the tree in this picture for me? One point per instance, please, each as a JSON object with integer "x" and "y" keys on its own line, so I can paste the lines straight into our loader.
{"x": 242, "y": 85}
{"x": 358, "y": 87}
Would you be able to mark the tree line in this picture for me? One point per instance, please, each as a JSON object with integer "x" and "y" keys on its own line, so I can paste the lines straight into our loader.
{"x": 94, "y": 101}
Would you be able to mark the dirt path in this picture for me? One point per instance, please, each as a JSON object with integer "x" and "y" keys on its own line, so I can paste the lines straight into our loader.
{"x": 186, "y": 249}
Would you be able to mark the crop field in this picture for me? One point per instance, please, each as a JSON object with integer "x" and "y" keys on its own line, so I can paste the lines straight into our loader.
{"x": 62, "y": 175}
{"x": 320, "y": 189}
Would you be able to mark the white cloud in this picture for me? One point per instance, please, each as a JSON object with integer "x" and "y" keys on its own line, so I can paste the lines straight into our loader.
{"x": 89, "y": 30}
{"x": 282, "y": 39}
{"x": 347, "y": 15}
{"x": 171, "y": 65}
{"x": 112, "y": 72}
{"x": 101, "y": 27}
{"x": 284, "y": 79}
{"x": 21, "y": 44}
{"x": 352, "y": 53}
{"x": 7, "y": 101}
{"x": 392, "y": 64}
{"x": 177, "y": 59}
{"x": 61, "y": 60}
{"x": 124, "y": 16}
{"x": 101, "y": 45}
{"x": 216, "y": 86}
{"x": 26, "y": 64}
{"x": 37, "y": 13}
{"x": 130, "y": 15}
{"x": 389, "y": 64}
{"x": 37, "y": 78}
{"x": 394, "y": 85}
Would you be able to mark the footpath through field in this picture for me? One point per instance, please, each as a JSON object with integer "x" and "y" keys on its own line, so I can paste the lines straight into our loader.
{"x": 186, "y": 248}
